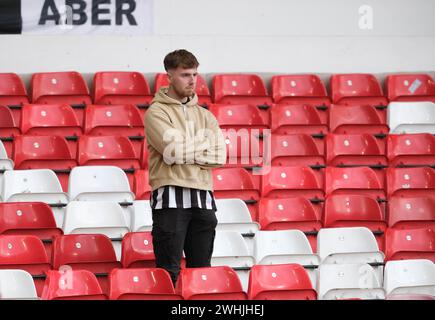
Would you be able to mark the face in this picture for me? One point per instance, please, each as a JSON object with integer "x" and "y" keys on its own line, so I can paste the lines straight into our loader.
{"x": 183, "y": 81}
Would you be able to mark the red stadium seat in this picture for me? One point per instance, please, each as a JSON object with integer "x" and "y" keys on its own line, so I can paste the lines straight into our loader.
{"x": 411, "y": 212}
{"x": 410, "y": 87}
{"x": 280, "y": 282}
{"x": 212, "y": 283}
{"x": 116, "y": 120}
{"x": 411, "y": 149}
{"x": 141, "y": 187}
{"x": 25, "y": 252}
{"x": 8, "y": 129}
{"x": 236, "y": 183}
{"x": 204, "y": 98}
{"x": 240, "y": 89}
{"x": 29, "y": 218}
{"x": 142, "y": 284}
{"x": 354, "y": 150}
{"x": 244, "y": 148}
{"x": 58, "y": 120}
{"x": 295, "y": 150}
{"x": 122, "y": 88}
{"x": 144, "y": 155}
{"x": 406, "y": 244}
{"x": 299, "y": 89}
{"x": 410, "y": 181}
{"x": 72, "y": 285}
{"x": 92, "y": 252}
{"x": 44, "y": 152}
{"x": 239, "y": 116}
{"x": 13, "y": 94}
{"x": 137, "y": 250}
{"x": 61, "y": 88}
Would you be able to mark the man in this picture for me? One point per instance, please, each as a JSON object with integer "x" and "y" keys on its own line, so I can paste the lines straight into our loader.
{"x": 184, "y": 144}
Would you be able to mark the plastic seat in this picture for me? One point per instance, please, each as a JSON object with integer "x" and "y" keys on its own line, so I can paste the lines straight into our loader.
{"x": 72, "y": 285}
{"x": 61, "y": 88}
{"x": 410, "y": 277}
{"x": 410, "y": 297}
{"x": 25, "y": 252}
{"x": 280, "y": 282}
{"x": 141, "y": 187}
{"x": 204, "y": 98}
{"x": 410, "y": 212}
{"x": 410, "y": 181}
{"x": 230, "y": 249}
{"x": 17, "y": 285}
{"x": 236, "y": 183}
{"x": 354, "y": 150}
{"x": 411, "y": 150}
{"x": 411, "y": 117}
{"x": 142, "y": 284}
{"x": 295, "y": 150}
{"x": 122, "y": 88}
{"x": 92, "y": 252}
{"x": 405, "y": 244}
{"x": 348, "y": 245}
{"x": 410, "y": 87}
{"x": 29, "y": 218}
{"x": 142, "y": 216}
{"x": 244, "y": 148}
{"x": 44, "y": 152}
{"x": 239, "y": 116}
{"x": 211, "y": 283}
{"x": 233, "y": 215}
{"x": 240, "y": 89}
{"x": 116, "y": 120}
{"x": 8, "y": 129}
{"x": 5, "y": 162}
{"x": 13, "y": 94}
{"x": 138, "y": 250}
{"x": 349, "y": 281}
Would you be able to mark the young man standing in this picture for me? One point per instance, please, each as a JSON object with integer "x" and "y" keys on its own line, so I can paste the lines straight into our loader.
{"x": 184, "y": 144}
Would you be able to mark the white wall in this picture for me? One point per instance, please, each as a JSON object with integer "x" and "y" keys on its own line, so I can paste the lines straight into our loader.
{"x": 264, "y": 36}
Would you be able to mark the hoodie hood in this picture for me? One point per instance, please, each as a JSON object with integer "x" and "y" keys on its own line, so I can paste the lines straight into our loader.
{"x": 162, "y": 97}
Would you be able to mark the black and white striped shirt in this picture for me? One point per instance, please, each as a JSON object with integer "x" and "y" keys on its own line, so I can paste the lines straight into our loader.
{"x": 182, "y": 198}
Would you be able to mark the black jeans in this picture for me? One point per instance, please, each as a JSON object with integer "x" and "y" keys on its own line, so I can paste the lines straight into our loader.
{"x": 175, "y": 230}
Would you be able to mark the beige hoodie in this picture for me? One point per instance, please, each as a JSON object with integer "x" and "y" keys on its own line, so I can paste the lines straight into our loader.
{"x": 184, "y": 143}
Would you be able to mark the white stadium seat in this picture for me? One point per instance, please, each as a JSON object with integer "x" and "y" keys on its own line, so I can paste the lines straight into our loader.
{"x": 142, "y": 219}
{"x": 17, "y": 285}
{"x": 411, "y": 117}
{"x": 5, "y": 162}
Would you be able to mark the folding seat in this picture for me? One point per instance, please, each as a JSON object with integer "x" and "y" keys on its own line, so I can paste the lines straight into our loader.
{"x": 230, "y": 249}
{"x": 144, "y": 155}
{"x": 280, "y": 282}
{"x": 245, "y": 148}
{"x": 8, "y": 129}
{"x": 38, "y": 185}
{"x": 204, "y": 97}
{"x": 411, "y": 212}
{"x": 240, "y": 89}
{"x": 141, "y": 187}
{"x": 357, "y": 89}
{"x": 109, "y": 151}
{"x": 97, "y": 217}
{"x": 44, "y": 152}
{"x": 5, "y": 162}
{"x": 410, "y": 277}
{"x": 29, "y": 218}
{"x": 72, "y": 285}
{"x": 17, "y": 285}
{"x": 13, "y": 94}
{"x": 142, "y": 284}
{"x": 236, "y": 183}
{"x": 122, "y": 88}
{"x": 26, "y": 253}
{"x": 142, "y": 216}
{"x": 138, "y": 250}
{"x": 405, "y": 244}
{"x": 290, "y": 213}
{"x": 355, "y": 211}
{"x": 56, "y": 120}
{"x": 296, "y": 150}
{"x": 349, "y": 281}
{"x": 210, "y": 283}
{"x": 304, "y": 89}
{"x": 409, "y": 150}
{"x": 410, "y": 87}
{"x": 61, "y": 88}
{"x": 411, "y": 117}
{"x": 410, "y": 297}
{"x": 410, "y": 181}
{"x": 116, "y": 120}
{"x": 350, "y": 150}
{"x": 92, "y": 252}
